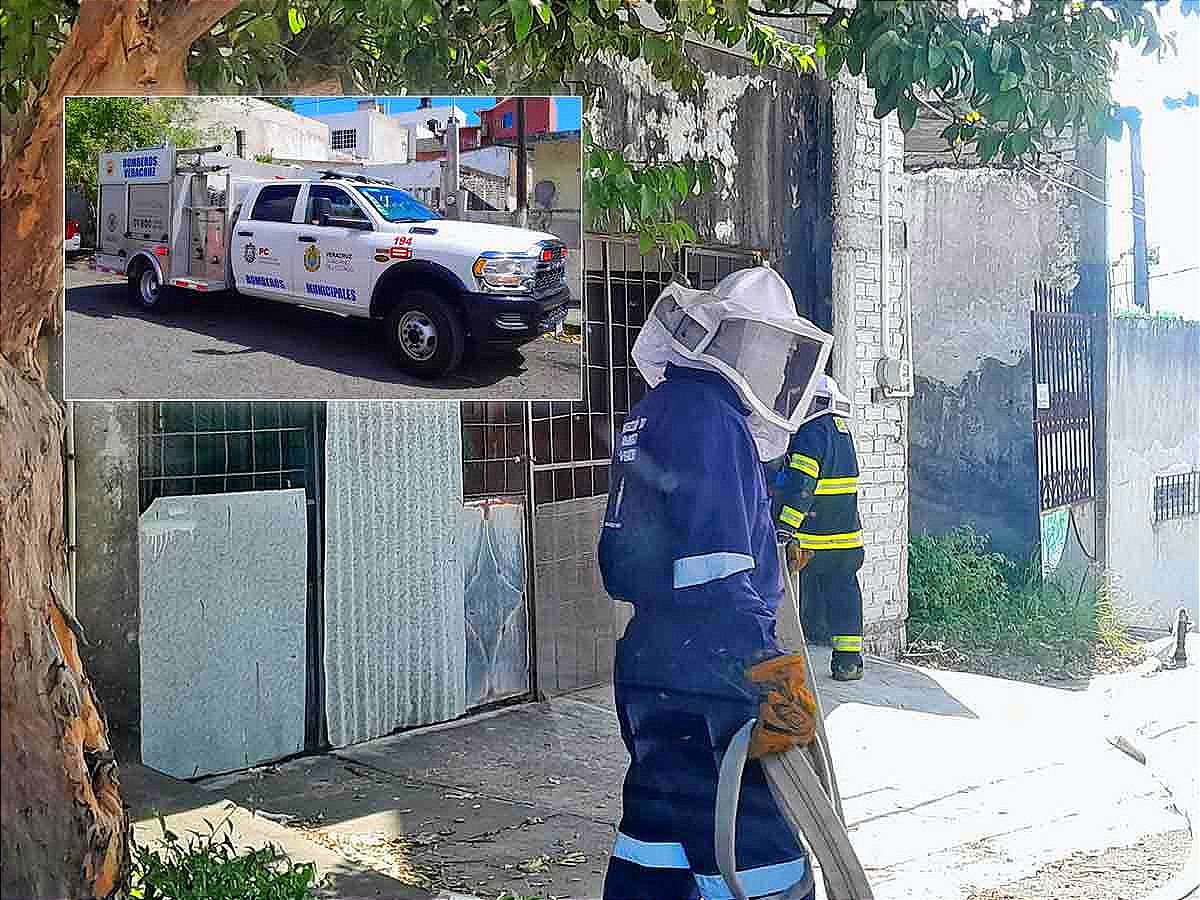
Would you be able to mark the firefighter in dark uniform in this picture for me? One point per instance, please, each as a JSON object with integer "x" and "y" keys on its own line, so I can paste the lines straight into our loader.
{"x": 816, "y": 511}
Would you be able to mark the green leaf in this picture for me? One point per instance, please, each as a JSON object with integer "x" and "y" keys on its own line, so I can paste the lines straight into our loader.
{"x": 296, "y": 20}
{"x": 908, "y": 112}
{"x": 648, "y": 202}
{"x": 522, "y": 14}
{"x": 1009, "y": 81}
{"x": 936, "y": 56}
{"x": 988, "y": 145}
{"x": 645, "y": 242}
{"x": 544, "y": 13}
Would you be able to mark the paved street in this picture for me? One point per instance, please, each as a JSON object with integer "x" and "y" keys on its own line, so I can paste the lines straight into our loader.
{"x": 230, "y": 346}
{"x": 955, "y": 786}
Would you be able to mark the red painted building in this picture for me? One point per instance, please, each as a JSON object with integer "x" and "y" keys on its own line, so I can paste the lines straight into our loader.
{"x": 500, "y": 122}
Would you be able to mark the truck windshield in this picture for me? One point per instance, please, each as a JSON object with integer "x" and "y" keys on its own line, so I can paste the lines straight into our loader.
{"x": 395, "y": 205}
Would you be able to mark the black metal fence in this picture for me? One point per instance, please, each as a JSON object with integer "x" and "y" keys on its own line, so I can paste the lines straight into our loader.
{"x": 1063, "y": 417}
{"x": 1176, "y": 496}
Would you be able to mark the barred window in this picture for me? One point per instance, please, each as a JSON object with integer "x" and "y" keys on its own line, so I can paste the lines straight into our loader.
{"x": 1176, "y": 496}
{"x": 344, "y": 138}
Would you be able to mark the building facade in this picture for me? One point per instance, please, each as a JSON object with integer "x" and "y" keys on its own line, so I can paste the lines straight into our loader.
{"x": 368, "y": 133}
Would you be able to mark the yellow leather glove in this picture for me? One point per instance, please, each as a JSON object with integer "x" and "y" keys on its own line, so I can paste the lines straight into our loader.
{"x": 787, "y": 714}
{"x": 797, "y": 557}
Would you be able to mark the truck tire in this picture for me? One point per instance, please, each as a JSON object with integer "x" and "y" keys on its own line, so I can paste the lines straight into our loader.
{"x": 146, "y": 290}
{"x": 425, "y": 334}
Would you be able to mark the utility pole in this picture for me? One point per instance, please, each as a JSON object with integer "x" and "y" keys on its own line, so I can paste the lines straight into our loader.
{"x": 1141, "y": 265}
{"x": 522, "y": 168}
{"x": 451, "y": 178}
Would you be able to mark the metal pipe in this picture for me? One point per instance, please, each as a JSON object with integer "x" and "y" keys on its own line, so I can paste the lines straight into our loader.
{"x": 522, "y": 167}
{"x": 71, "y": 509}
{"x": 885, "y": 243}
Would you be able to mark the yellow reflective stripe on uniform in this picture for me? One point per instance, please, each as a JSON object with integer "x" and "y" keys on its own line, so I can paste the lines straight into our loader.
{"x": 848, "y": 643}
{"x": 846, "y": 541}
{"x": 837, "y": 486}
{"x": 790, "y": 516}
{"x": 805, "y": 464}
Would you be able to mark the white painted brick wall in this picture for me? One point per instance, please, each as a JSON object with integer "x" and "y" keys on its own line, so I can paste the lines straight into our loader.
{"x": 880, "y": 429}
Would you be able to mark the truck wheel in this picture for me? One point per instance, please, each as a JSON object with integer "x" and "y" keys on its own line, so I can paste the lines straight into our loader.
{"x": 146, "y": 290}
{"x": 426, "y": 336}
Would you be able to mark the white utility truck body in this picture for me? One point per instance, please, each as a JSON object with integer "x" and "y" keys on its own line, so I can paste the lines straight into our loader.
{"x": 194, "y": 220}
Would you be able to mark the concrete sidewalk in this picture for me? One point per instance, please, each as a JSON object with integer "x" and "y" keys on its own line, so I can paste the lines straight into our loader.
{"x": 952, "y": 784}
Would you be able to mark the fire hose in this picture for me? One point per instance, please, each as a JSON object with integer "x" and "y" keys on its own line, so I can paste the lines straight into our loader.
{"x": 802, "y": 781}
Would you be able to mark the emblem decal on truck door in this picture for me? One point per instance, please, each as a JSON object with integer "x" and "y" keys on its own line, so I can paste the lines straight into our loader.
{"x": 250, "y": 253}
{"x": 312, "y": 258}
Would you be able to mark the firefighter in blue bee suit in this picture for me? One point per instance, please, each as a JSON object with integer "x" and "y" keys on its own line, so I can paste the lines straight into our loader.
{"x": 688, "y": 539}
{"x": 817, "y": 510}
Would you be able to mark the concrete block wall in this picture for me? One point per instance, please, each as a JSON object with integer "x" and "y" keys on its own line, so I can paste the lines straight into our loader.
{"x": 880, "y": 428}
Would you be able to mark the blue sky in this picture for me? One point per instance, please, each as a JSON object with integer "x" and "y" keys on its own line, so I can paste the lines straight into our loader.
{"x": 569, "y": 109}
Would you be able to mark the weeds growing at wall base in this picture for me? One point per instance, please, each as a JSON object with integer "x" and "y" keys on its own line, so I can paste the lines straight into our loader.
{"x": 978, "y": 610}
{"x": 208, "y": 867}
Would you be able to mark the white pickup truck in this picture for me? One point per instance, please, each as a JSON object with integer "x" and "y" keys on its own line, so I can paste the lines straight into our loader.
{"x": 339, "y": 242}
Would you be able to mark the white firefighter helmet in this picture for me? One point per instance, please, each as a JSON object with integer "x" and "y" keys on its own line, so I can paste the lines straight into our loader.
{"x": 746, "y": 329}
{"x": 827, "y": 399}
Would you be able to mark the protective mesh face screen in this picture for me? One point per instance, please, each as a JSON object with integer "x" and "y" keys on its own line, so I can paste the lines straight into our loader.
{"x": 776, "y": 365}
{"x": 675, "y": 319}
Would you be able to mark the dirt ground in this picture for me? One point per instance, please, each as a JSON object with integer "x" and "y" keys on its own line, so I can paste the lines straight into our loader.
{"x": 1120, "y": 873}
{"x": 1044, "y": 666}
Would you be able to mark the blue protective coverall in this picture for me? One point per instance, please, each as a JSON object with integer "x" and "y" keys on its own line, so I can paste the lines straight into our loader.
{"x": 688, "y": 540}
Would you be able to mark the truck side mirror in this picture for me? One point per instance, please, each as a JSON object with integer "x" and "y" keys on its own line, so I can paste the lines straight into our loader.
{"x": 322, "y": 210}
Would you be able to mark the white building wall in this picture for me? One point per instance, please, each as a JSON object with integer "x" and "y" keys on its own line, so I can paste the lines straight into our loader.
{"x": 269, "y": 129}
{"x": 880, "y": 428}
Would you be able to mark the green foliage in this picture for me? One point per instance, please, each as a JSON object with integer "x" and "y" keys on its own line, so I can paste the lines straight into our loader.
{"x": 1005, "y": 87}
{"x": 99, "y": 124}
{"x": 643, "y": 199}
{"x": 264, "y": 158}
{"x": 208, "y": 867}
{"x": 961, "y": 594}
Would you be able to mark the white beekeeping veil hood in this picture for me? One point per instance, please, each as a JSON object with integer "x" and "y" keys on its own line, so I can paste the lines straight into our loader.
{"x": 746, "y": 329}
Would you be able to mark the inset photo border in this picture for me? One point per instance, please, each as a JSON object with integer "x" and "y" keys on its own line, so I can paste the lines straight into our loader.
{"x": 323, "y": 248}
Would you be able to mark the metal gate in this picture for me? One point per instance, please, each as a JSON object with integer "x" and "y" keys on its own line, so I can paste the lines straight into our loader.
{"x": 496, "y": 540}
{"x": 570, "y": 449}
{"x": 1063, "y": 416}
{"x": 221, "y": 446}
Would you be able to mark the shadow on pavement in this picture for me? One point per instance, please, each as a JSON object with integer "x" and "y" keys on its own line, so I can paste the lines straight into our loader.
{"x": 349, "y": 346}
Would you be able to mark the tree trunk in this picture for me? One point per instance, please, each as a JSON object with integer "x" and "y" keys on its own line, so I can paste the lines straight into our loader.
{"x": 63, "y": 828}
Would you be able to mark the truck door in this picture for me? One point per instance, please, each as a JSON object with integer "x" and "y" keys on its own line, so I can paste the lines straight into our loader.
{"x": 264, "y": 238}
{"x": 110, "y": 226}
{"x": 334, "y": 264}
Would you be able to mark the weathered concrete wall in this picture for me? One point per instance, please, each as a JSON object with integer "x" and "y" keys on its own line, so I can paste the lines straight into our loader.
{"x": 978, "y": 240}
{"x": 770, "y": 132}
{"x": 1154, "y": 422}
{"x": 269, "y": 128}
{"x": 106, "y": 485}
{"x": 880, "y": 429}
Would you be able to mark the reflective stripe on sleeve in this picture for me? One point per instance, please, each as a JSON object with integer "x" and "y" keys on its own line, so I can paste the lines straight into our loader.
{"x": 651, "y": 855}
{"x": 837, "y": 486}
{"x": 846, "y": 541}
{"x": 848, "y": 643}
{"x": 693, "y": 570}
{"x": 791, "y": 516}
{"x": 805, "y": 464}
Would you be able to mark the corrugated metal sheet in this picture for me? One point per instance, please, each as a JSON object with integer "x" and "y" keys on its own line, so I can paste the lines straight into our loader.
{"x": 394, "y": 613}
{"x": 223, "y": 611}
{"x": 497, "y": 618}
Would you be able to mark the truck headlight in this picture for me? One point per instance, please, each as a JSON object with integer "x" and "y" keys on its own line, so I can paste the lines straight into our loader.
{"x": 506, "y": 274}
